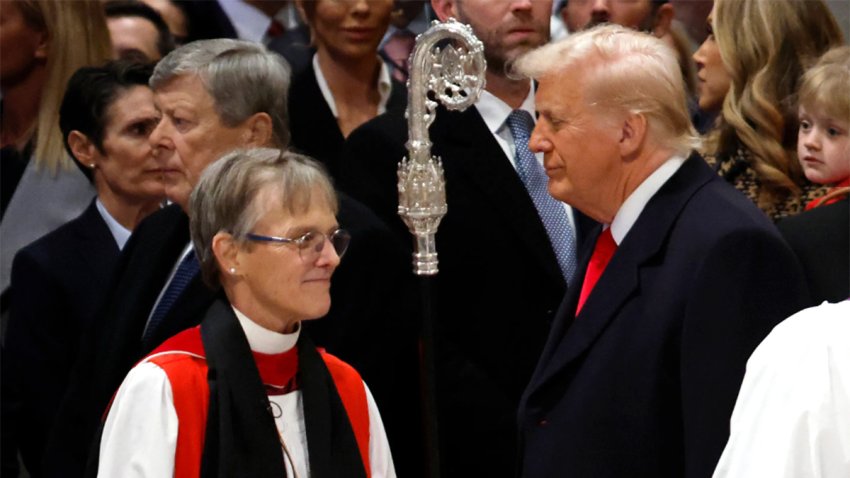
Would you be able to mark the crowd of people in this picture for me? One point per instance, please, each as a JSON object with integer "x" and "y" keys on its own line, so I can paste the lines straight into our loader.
{"x": 204, "y": 272}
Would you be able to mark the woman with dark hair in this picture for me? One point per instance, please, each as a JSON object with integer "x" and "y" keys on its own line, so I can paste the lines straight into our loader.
{"x": 59, "y": 281}
{"x": 246, "y": 393}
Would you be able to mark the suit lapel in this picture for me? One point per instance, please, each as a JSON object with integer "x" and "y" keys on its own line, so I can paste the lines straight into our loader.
{"x": 483, "y": 163}
{"x": 96, "y": 244}
{"x": 620, "y": 280}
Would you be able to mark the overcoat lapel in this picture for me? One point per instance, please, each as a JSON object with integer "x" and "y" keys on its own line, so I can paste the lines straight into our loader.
{"x": 620, "y": 281}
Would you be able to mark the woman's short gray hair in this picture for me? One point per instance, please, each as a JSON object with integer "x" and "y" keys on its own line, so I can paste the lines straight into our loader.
{"x": 242, "y": 77}
{"x": 623, "y": 69}
{"x": 225, "y": 198}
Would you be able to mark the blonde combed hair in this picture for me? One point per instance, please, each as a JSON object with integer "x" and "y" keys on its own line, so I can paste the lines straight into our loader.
{"x": 766, "y": 45}
{"x": 77, "y": 37}
{"x": 623, "y": 70}
{"x": 826, "y": 86}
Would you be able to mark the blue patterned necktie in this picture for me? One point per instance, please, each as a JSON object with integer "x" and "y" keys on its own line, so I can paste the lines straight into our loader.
{"x": 186, "y": 271}
{"x": 551, "y": 211}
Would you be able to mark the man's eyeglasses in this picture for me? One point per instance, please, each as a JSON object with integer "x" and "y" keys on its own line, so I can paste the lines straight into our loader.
{"x": 310, "y": 244}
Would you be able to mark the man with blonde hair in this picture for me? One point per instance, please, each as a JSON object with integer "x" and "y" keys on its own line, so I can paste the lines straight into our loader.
{"x": 644, "y": 360}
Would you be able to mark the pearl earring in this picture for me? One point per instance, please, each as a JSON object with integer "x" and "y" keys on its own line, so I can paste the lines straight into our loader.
{"x": 232, "y": 270}
{"x": 92, "y": 165}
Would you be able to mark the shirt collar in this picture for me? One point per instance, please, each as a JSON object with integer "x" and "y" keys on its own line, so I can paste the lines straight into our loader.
{"x": 631, "y": 208}
{"x": 266, "y": 341}
{"x": 385, "y": 87}
{"x": 119, "y": 232}
{"x": 495, "y": 112}
{"x": 250, "y": 23}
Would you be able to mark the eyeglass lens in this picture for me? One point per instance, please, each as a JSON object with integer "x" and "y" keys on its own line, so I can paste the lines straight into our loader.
{"x": 315, "y": 242}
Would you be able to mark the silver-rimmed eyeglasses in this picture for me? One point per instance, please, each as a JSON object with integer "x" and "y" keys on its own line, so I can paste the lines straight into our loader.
{"x": 310, "y": 244}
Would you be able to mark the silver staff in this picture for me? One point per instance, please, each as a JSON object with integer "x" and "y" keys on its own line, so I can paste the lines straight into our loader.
{"x": 453, "y": 73}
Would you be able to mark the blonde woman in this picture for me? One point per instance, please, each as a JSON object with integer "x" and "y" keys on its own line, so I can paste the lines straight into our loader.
{"x": 749, "y": 68}
{"x": 41, "y": 187}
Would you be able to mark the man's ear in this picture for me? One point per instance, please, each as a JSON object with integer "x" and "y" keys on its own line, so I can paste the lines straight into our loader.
{"x": 258, "y": 130}
{"x": 663, "y": 20}
{"x": 444, "y": 9}
{"x": 83, "y": 149}
{"x": 226, "y": 252}
{"x": 632, "y": 134}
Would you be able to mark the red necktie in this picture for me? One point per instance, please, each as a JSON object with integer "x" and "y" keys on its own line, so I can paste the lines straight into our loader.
{"x": 275, "y": 29}
{"x": 602, "y": 254}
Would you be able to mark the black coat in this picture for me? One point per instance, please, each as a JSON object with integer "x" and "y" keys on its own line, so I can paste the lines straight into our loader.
{"x": 58, "y": 282}
{"x": 821, "y": 240}
{"x": 498, "y": 287}
{"x": 314, "y": 128}
{"x": 642, "y": 383}
{"x": 113, "y": 343}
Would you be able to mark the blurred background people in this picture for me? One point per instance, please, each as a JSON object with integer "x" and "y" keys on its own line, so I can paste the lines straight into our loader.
{"x": 821, "y": 235}
{"x": 138, "y": 31}
{"x": 264, "y": 229}
{"x": 274, "y": 23}
{"x": 409, "y": 18}
{"x": 749, "y": 69}
{"x": 346, "y": 83}
{"x": 44, "y": 42}
{"x": 172, "y": 13}
{"x": 59, "y": 281}
{"x": 792, "y": 416}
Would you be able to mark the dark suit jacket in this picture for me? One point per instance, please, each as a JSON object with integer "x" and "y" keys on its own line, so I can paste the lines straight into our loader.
{"x": 498, "y": 287}
{"x": 314, "y": 129}
{"x": 642, "y": 383}
{"x": 58, "y": 283}
{"x": 113, "y": 343}
{"x": 821, "y": 240}
{"x": 207, "y": 20}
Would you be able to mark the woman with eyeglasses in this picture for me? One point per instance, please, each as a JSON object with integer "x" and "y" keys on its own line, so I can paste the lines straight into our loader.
{"x": 246, "y": 393}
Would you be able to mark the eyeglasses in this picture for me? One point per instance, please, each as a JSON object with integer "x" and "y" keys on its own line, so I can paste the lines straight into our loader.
{"x": 311, "y": 244}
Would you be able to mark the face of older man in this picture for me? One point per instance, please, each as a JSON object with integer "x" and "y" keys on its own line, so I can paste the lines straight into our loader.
{"x": 579, "y": 143}
{"x": 508, "y": 28}
{"x": 190, "y": 135}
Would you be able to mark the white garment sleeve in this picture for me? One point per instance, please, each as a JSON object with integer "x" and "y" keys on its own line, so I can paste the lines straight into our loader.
{"x": 792, "y": 417}
{"x": 140, "y": 435}
{"x": 380, "y": 457}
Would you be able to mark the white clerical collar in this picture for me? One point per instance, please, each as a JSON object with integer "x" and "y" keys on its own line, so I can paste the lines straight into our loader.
{"x": 629, "y": 212}
{"x": 385, "y": 87}
{"x": 263, "y": 340}
{"x": 495, "y": 112}
{"x": 119, "y": 232}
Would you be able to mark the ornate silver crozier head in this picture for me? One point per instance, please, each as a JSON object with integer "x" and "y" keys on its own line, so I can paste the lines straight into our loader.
{"x": 447, "y": 67}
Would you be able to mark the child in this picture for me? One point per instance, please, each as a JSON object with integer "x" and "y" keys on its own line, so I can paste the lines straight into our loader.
{"x": 823, "y": 142}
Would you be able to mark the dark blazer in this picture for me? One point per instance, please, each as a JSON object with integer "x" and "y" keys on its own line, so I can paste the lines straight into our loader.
{"x": 314, "y": 128}
{"x": 498, "y": 287}
{"x": 113, "y": 343}
{"x": 821, "y": 240}
{"x": 58, "y": 282}
{"x": 642, "y": 383}
{"x": 207, "y": 20}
